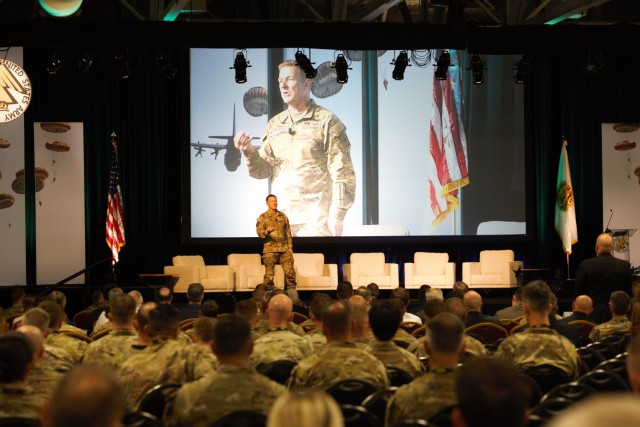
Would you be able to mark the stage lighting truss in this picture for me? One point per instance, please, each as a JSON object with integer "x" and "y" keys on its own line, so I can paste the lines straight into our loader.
{"x": 442, "y": 65}
{"x": 240, "y": 64}
{"x": 521, "y": 69}
{"x": 477, "y": 69}
{"x": 54, "y": 64}
{"x": 400, "y": 64}
{"x": 305, "y": 63}
{"x": 341, "y": 65}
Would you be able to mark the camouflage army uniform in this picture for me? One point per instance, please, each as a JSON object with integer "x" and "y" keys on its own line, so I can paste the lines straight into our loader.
{"x": 42, "y": 379}
{"x": 317, "y": 338}
{"x": 472, "y": 347}
{"x": 277, "y": 248}
{"x": 310, "y": 166}
{"x": 539, "y": 346}
{"x": 65, "y": 327}
{"x": 14, "y": 311}
{"x": 59, "y": 358}
{"x": 104, "y": 327}
{"x": 404, "y": 336}
{"x": 263, "y": 325}
{"x": 617, "y": 325}
{"x": 161, "y": 362}
{"x": 337, "y": 361}
{"x": 308, "y": 325}
{"x": 231, "y": 388}
{"x": 111, "y": 350}
{"x": 393, "y": 356}
{"x": 74, "y": 346}
{"x": 19, "y": 401}
{"x": 423, "y": 397}
{"x": 280, "y": 344}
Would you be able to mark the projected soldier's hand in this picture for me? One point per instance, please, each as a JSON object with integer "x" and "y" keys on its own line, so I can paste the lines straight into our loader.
{"x": 335, "y": 226}
{"x": 242, "y": 141}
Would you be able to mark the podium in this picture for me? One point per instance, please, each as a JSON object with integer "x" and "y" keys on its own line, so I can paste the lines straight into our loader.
{"x": 621, "y": 247}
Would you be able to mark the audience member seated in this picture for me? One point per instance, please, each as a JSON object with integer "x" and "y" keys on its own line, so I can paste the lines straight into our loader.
{"x": 203, "y": 335}
{"x": 417, "y": 307}
{"x": 340, "y": 359}
{"x": 164, "y": 295}
{"x": 344, "y": 290}
{"x": 226, "y": 303}
{"x": 539, "y": 344}
{"x": 74, "y": 346}
{"x": 316, "y": 335}
{"x": 28, "y": 302}
{"x": 635, "y": 319}
{"x": 43, "y": 376}
{"x": 234, "y": 386}
{"x": 61, "y": 299}
{"x": 384, "y": 319}
{"x": 17, "y": 295}
{"x": 635, "y": 289}
{"x": 472, "y": 346}
{"x": 459, "y": 289}
{"x": 428, "y": 394}
{"x": 516, "y": 307}
{"x": 375, "y": 290}
{"x": 248, "y": 310}
{"x": 490, "y": 393}
{"x": 56, "y": 357}
{"x": 114, "y": 348}
{"x": 313, "y": 409}
{"x": 365, "y": 293}
{"x": 165, "y": 360}
{"x": 581, "y": 307}
{"x": 434, "y": 293}
{"x": 97, "y": 301}
{"x": 570, "y": 332}
{"x": 102, "y": 320}
{"x": 433, "y": 307}
{"x": 473, "y": 304}
{"x": 137, "y": 297}
{"x": 16, "y": 398}
{"x": 619, "y": 323}
{"x": 401, "y": 335}
{"x": 599, "y": 410}
{"x": 361, "y": 334}
{"x": 279, "y": 343}
{"x": 403, "y": 295}
{"x": 140, "y": 324}
{"x": 87, "y": 396}
{"x": 633, "y": 363}
{"x": 262, "y": 326}
{"x": 195, "y": 295}
{"x": 298, "y": 305}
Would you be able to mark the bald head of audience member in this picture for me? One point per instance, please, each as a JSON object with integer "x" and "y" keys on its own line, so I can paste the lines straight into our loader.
{"x": 582, "y": 304}
{"x": 445, "y": 340}
{"x": 122, "y": 310}
{"x": 365, "y": 293}
{"x": 454, "y": 305}
{"x": 56, "y": 315}
{"x": 491, "y": 392}
{"x": 141, "y": 322}
{"x": 16, "y": 357}
{"x": 37, "y": 317}
{"x": 279, "y": 311}
{"x": 37, "y": 340}
{"x": 232, "y": 340}
{"x": 336, "y": 322}
{"x": 164, "y": 295}
{"x": 472, "y": 301}
{"x": 87, "y": 396}
{"x": 434, "y": 293}
{"x": 359, "y": 317}
{"x": 604, "y": 244}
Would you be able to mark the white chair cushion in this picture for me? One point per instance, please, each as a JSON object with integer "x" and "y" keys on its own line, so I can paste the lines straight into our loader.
{"x": 193, "y": 260}
{"x": 492, "y": 262}
{"x": 309, "y": 265}
{"x": 244, "y": 259}
{"x": 430, "y": 263}
{"x": 368, "y": 264}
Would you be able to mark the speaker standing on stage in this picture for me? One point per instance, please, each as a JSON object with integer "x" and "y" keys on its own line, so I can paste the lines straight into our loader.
{"x": 273, "y": 227}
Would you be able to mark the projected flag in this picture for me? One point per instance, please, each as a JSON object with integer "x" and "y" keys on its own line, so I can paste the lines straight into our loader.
{"x": 115, "y": 222}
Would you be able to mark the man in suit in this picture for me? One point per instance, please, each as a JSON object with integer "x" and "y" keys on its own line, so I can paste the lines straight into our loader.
{"x": 581, "y": 309}
{"x": 473, "y": 304}
{"x": 601, "y": 275}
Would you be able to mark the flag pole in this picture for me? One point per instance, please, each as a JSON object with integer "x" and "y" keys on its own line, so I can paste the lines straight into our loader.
{"x": 568, "y": 276}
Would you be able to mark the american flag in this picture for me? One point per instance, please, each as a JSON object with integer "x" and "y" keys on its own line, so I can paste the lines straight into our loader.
{"x": 448, "y": 144}
{"x": 115, "y": 222}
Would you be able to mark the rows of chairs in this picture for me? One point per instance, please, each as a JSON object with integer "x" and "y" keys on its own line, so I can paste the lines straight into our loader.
{"x": 495, "y": 268}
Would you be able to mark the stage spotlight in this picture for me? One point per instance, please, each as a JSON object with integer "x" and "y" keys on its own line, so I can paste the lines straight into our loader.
{"x": 442, "y": 65}
{"x": 164, "y": 63}
{"x": 85, "y": 62}
{"x": 240, "y": 64}
{"x": 521, "y": 69}
{"x": 341, "y": 66}
{"x": 400, "y": 64}
{"x": 305, "y": 63}
{"x": 477, "y": 69}
{"x": 122, "y": 66}
{"x": 54, "y": 65}
{"x": 60, "y": 8}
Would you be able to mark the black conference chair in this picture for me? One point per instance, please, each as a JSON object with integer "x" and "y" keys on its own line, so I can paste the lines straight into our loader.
{"x": 590, "y": 356}
{"x": 156, "y": 399}
{"x": 279, "y": 370}
{"x": 18, "y": 422}
{"x": 573, "y": 391}
{"x": 376, "y": 403}
{"x": 606, "y": 348}
{"x": 241, "y": 418}
{"x": 351, "y": 391}
{"x": 604, "y": 381}
{"x": 443, "y": 417}
{"x": 547, "y": 409}
{"x": 140, "y": 419}
{"x": 547, "y": 376}
{"x": 619, "y": 366}
{"x": 358, "y": 416}
{"x": 398, "y": 377}
{"x": 414, "y": 423}
{"x": 534, "y": 390}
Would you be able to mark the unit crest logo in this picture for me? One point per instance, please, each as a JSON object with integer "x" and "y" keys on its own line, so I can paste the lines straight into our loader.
{"x": 564, "y": 196}
{"x": 15, "y": 91}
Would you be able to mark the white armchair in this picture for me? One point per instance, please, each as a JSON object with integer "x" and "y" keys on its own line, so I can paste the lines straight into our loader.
{"x": 496, "y": 269}
{"x": 313, "y": 274}
{"x": 192, "y": 269}
{"x": 365, "y": 268}
{"x": 248, "y": 271}
{"x": 429, "y": 268}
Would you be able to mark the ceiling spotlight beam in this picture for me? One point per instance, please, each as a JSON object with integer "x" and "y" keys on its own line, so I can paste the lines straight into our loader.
{"x": 486, "y": 10}
{"x": 560, "y": 11}
{"x": 176, "y": 7}
{"x": 339, "y": 10}
{"x": 311, "y": 10}
{"x": 132, "y": 10}
{"x": 373, "y": 10}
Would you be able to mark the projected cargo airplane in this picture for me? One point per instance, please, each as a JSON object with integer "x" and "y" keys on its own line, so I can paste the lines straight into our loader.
{"x": 232, "y": 156}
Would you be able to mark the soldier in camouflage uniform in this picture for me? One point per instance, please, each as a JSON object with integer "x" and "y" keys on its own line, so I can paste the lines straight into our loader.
{"x": 114, "y": 348}
{"x": 43, "y": 376}
{"x": 539, "y": 344}
{"x": 234, "y": 386}
{"x": 315, "y": 332}
{"x": 306, "y": 153}
{"x": 278, "y": 343}
{"x": 74, "y": 346}
{"x": 165, "y": 360}
{"x": 340, "y": 359}
{"x": 619, "y": 324}
{"x": 17, "y": 308}
{"x": 56, "y": 357}
{"x": 385, "y": 318}
{"x": 361, "y": 334}
{"x": 273, "y": 227}
{"x": 203, "y": 334}
{"x": 428, "y": 394}
{"x": 16, "y": 397}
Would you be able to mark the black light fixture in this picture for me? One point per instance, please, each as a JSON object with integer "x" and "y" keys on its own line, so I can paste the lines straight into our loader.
{"x": 305, "y": 63}
{"x": 399, "y": 65}
{"x": 122, "y": 65}
{"x": 164, "y": 63}
{"x": 240, "y": 64}
{"x": 595, "y": 62}
{"x": 341, "y": 66}
{"x": 521, "y": 69}
{"x": 85, "y": 62}
{"x": 54, "y": 64}
{"x": 477, "y": 69}
{"x": 442, "y": 65}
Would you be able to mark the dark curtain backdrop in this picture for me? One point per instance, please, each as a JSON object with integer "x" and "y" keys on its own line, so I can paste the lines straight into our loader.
{"x": 146, "y": 112}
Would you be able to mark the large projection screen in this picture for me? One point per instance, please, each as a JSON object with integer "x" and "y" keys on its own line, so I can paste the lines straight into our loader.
{"x": 431, "y": 158}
